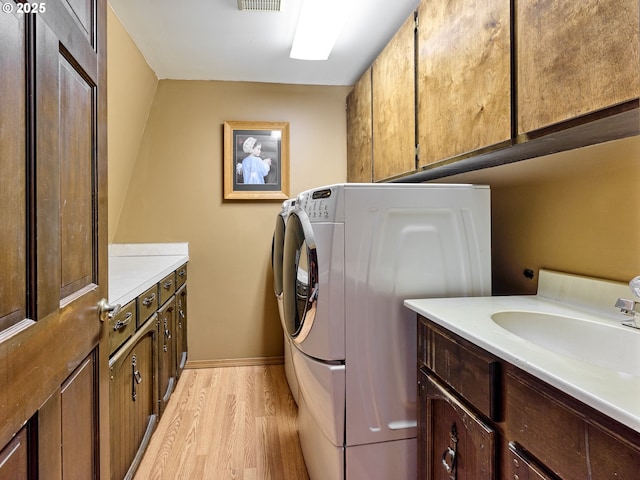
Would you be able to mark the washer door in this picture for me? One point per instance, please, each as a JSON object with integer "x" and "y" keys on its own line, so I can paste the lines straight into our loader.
{"x": 300, "y": 276}
{"x": 277, "y": 247}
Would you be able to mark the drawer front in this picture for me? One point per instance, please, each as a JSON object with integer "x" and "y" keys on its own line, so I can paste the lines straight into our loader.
{"x": 563, "y": 434}
{"x": 122, "y": 326}
{"x": 147, "y": 304}
{"x": 467, "y": 369}
{"x": 181, "y": 276}
{"x": 167, "y": 287}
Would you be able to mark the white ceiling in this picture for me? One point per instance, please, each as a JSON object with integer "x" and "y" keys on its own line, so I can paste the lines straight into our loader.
{"x": 213, "y": 40}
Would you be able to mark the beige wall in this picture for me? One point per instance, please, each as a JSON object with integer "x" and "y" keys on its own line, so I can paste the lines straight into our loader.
{"x": 175, "y": 194}
{"x": 574, "y": 212}
{"x": 131, "y": 87}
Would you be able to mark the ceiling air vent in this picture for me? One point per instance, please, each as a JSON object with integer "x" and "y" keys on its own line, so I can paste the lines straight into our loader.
{"x": 260, "y": 5}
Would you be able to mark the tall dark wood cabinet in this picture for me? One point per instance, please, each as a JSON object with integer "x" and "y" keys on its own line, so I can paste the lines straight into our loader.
{"x": 54, "y": 415}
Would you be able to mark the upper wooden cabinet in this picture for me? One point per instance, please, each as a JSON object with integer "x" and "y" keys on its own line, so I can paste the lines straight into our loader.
{"x": 574, "y": 58}
{"x": 464, "y": 76}
{"x": 495, "y": 81}
{"x": 359, "y": 153}
{"x": 393, "y": 101}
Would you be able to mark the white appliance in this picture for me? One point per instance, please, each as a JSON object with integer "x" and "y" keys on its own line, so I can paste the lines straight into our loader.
{"x": 277, "y": 246}
{"x": 352, "y": 254}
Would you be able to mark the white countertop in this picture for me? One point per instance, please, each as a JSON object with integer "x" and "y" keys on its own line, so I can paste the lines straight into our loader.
{"x": 133, "y": 268}
{"x": 613, "y": 393}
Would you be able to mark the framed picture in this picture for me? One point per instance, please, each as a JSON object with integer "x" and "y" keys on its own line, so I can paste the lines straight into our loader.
{"x": 256, "y": 160}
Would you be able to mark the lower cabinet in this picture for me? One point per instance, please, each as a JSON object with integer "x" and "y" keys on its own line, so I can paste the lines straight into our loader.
{"x": 144, "y": 368}
{"x": 482, "y": 418}
{"x": 454, "y": 442}
{"x": 181, "y": 329}
{"x": 167, "y": 351}
{"x": 133, "y": 399}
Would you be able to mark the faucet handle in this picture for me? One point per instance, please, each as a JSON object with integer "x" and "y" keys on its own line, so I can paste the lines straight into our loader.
{"x": 628, "y": 307}
{"x": 634, "y": 285}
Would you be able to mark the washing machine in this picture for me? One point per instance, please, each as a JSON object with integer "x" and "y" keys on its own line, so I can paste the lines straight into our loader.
{"x": 352, "y": 254}
{"x": 277, "y": 246}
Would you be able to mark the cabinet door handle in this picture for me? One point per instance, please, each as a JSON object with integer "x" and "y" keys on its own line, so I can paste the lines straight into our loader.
{"x": 449, "y": 457}
{"x": 449, "y": 461}
{"x": 149, "y": 300}
{"x": 123, "y": 323}
{"x": 136, "y": 378}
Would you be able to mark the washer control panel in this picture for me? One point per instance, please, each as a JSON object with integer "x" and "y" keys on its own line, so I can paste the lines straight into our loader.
{"x": 319, "y": 205}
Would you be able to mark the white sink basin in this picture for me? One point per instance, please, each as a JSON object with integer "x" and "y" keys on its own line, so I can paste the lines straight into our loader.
{"x": 606, "y": 345}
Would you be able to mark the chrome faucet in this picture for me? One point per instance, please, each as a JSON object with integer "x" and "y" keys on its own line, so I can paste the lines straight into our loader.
{"x": 630, "y": 307}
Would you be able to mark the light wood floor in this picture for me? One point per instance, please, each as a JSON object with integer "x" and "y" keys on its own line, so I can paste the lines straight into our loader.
{"x": 227, "y": 423}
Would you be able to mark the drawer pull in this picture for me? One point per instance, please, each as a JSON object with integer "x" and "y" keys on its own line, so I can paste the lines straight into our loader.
{"x": 123, "y": 323}
{"x": 182, "y": 273}
{"x": 149, "y": 300}
{"x": 167, "y": 285}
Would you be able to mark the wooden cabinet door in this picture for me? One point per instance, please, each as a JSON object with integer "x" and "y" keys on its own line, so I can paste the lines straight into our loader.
{"x": 464, "y": 76}
{"x": 13, "y": 458}
{"x": 394, "y": 105}
{"x": 181, "y": 329}
{"x": 453, "y": 441}
{"x": 133, "y": 399}
{"x": 54, "y": 252}
{"x": 166, "y": 351}
{"x": 574, "y": 58}
{"x": 520, "y": 467}
{"x": 359, "y": 131}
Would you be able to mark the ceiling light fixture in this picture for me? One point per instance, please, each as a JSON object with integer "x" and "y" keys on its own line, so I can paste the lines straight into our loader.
{"x": 319, "y": 26}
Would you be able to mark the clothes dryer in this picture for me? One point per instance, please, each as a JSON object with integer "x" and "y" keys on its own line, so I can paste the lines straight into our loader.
{"x": 277, "y": 246}
{"x": 352, "y": 254}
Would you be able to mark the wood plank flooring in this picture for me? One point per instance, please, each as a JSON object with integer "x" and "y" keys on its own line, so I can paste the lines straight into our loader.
{"x": 227, "y": 423}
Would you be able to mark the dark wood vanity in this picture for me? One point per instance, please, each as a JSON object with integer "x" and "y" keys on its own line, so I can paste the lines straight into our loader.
{"x": 480, "y": 417}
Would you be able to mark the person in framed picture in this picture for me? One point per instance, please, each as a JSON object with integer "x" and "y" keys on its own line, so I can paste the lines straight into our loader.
{"x": 253, "y": 168}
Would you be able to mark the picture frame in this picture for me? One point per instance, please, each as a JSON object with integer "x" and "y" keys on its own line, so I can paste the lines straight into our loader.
{"x": 256, "y": 160}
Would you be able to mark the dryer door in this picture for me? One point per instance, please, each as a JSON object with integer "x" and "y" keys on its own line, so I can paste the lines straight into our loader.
{"x": 300, "y": 275}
